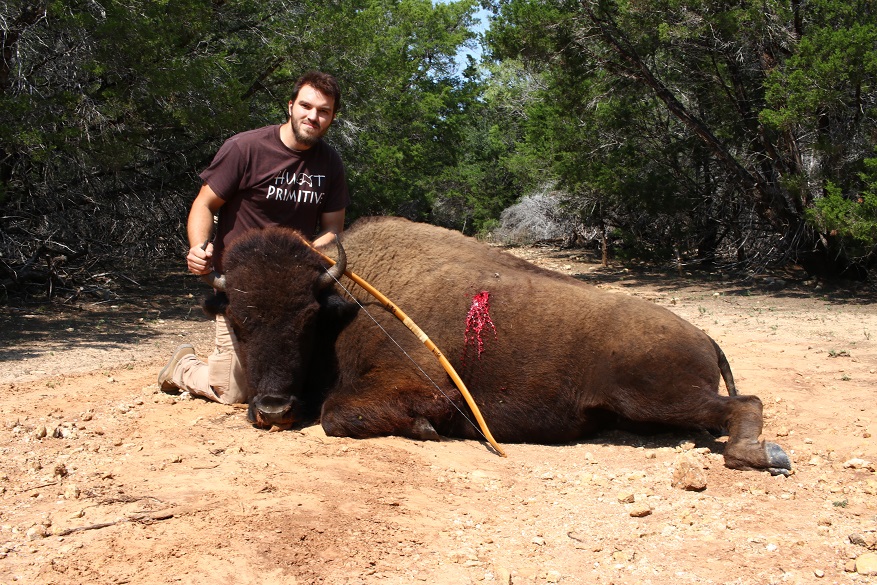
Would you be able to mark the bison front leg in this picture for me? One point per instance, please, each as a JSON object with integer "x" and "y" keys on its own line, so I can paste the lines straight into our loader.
{"x": 400, "y": 412}
{"x": 744, "y": 450}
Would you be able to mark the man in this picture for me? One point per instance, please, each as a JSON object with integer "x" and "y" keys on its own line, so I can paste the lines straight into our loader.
{"x": 277, "y": 175}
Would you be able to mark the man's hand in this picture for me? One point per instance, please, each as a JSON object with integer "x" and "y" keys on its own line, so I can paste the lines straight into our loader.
{"x": 199, "y": 227}
{"x": 325, "y": 239}
{"x": 200, "y": 259}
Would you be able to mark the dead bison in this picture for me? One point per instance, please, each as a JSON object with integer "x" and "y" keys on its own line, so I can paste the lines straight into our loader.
{"x": 547, "y": 358}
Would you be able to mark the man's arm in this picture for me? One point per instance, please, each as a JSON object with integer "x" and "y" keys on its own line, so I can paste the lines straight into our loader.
{"x": 332, "y": 223}
{"x": 200, "y": 228}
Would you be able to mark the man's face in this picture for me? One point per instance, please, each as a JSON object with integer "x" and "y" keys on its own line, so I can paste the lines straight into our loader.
{"x": 311, "y": 114}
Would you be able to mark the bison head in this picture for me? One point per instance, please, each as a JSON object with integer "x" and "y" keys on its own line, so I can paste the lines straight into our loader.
{"x": 286, "y": 315}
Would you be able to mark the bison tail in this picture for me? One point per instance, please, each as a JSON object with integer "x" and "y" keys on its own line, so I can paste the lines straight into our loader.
{"x": 725, "y": 369}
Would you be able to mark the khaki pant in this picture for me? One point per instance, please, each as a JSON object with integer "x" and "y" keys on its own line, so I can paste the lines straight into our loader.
{"x": 221, "y": 379}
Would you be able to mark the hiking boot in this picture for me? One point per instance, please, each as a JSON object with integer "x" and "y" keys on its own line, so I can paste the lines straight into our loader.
{"x": 165, "y": 377}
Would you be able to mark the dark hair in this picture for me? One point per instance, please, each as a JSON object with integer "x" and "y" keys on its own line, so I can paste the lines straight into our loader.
{"x": 323, "y": 83}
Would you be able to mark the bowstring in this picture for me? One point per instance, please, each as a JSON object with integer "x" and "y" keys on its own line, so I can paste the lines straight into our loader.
{"x": 405, "y": 353}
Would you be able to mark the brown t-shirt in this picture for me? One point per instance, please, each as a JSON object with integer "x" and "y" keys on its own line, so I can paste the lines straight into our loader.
{"x": 263, "y": 182}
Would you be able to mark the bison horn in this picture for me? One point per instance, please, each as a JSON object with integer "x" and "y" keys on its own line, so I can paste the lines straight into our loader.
{"x": 334, "y": 272}
{"x": 214, "y": 279}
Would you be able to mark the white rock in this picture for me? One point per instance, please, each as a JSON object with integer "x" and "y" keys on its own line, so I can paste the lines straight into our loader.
{"x": 36, "y": 532}
{"x": 626, "y": 497}
{"x": 866, "y": 564}
{"x": 688, "y": 474}
{"x": 502, "y": 575}
{"x": 639, "y": 510}
{"x": 855, "y": 463}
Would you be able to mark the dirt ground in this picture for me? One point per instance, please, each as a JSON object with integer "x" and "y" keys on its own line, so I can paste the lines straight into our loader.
{"x": 105, "y": 479}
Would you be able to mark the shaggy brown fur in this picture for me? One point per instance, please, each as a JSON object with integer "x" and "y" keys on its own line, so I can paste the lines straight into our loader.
{"x": 564, "y": 360}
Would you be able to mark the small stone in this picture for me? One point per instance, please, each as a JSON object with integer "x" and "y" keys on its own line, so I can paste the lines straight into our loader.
{"x": 60, "y": 470}
{"x": 36, "y": 532}
{"x": 855, "y": 463}
{"x": 87, "y": 416}
{"x": 819, "y": 573}
{"x": 639, "y": 510}
{"x": 866, "y": 564}
{"x": 502, "y": 575}
{"x": 63, "y": 432}
{"x": 688, "y": 474}
{"x": 41, "y": 433}
{"x": 538, "y": 540}
{"x": 71, "y": 492}
{"x": 626, "y": 497}
{"x": 867, "y": 540}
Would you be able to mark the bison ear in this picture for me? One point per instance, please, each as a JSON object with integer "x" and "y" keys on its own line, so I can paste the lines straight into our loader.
{"x": 336, "y": 313}
{"x": 215, "y": 304}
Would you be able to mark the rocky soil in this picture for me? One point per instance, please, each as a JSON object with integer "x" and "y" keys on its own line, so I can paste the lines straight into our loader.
{"x": 105, "y": 479}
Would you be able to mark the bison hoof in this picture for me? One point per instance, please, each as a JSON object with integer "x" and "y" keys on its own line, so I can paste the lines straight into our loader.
{"x": 778, "y": 461}
{"x": 423, "y": 430}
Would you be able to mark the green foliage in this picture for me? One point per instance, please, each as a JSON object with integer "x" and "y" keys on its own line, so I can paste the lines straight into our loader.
{"x": 108, "y": 111}
{"x": 401, "y": 129}
{"x": 852, "y": 218}
{"x": 700, "y": 125}
{"x": 713, "y": 128}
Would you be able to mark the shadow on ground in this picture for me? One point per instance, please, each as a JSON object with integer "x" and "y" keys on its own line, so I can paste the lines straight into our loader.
{"x": 134, "y": 316}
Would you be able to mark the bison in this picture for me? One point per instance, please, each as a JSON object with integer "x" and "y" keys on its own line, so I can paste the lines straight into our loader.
{"x": 547, "y": 358}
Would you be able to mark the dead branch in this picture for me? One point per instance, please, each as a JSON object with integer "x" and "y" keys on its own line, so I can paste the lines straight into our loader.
{"x": 147, "y": 517}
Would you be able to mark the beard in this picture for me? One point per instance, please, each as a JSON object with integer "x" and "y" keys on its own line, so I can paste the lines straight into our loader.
{"x": 307, "y": 135}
